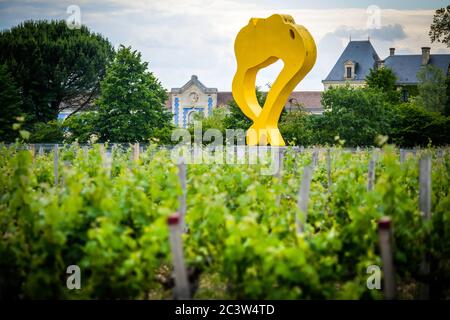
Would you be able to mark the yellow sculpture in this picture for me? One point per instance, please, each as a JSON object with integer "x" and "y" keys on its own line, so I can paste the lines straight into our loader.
{"x": 258, "y": 45}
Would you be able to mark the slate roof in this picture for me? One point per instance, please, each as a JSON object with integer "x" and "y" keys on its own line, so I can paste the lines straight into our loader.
{"x": 224, "y": 97}
{"x": 362, "y": 54}
{"x": 311, "y": 100}
{"x": 406, "y": 67}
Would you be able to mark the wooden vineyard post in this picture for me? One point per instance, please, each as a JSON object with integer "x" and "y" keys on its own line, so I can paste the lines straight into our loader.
{"x": 182, "y": 291}
{"x": 371, "y": 174}
{"x": 279, "y": 163}
{"x": 55, "y": 163}
{"x": 279, "y": 170}
{"x": 303, "y": 198}
{"x": 136, "y": 152}
{"x": 425, "y": 209}
{"x": 182, "y": 173}
{"x": 315, "y": 157}
{"x": 384, "y": 233}
{"x": 106, "y": 160}
{"x": 329, "y": 169}
{"x": 402, "y": 155}
{"x": 425, "y": 186}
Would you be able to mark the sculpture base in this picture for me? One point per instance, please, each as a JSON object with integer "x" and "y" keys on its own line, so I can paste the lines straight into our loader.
{"x": 259, "y": 136}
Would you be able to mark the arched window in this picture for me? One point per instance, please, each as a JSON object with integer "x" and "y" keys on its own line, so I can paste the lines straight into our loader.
{"x": 191, "y": 116}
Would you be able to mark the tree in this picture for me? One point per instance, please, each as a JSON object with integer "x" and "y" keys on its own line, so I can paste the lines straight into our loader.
{"x": 296, "y": 128}
{"x": 236, "y": 119}
{"x": 447, "y": 91}
{"x": 131, "y": 106}
{"x": 357, "y": 115}
{"x": 10, "y": 105}
{"x": 432, "y": 89}
{"x": 55, "y": 67}
{"x": 50, "y": 132}
{"x": 214, "y": 121}
{"x": 414, "y": 126}
{"x": 440, "y": 27}
{"x": 385, "y": 80}
{"x": 80, "y": 127}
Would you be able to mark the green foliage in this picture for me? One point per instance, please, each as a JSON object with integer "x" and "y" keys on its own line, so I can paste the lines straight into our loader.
{"x": 80, "y": 127}
{"x": 432, "y": 89}
{"x": 112, "y": 223}
{"x": 447, "y": 92}
{"x": 54, "y": 66}
{"x": 112, "y": 227}
{"x": 296, "y": 128}
{"x": 50, "y": 132}
{"x": 132, "y": 101}
{"x": 412, "y": 126}
{"x": 236, "y": 119}
{"x": 384, "y": 79}
{"x": 440, "y": 28}
{"x": 10, "y": 103}
{"x": 357, "y": 115}
{"x": 214, "y": 121}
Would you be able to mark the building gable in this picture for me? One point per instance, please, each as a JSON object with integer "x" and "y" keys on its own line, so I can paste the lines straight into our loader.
{"x": 361, "y": 54}
{"x": 193, "y": 97}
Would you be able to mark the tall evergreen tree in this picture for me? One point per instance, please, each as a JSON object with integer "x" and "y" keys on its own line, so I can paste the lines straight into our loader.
{"x": 10, "y": 105}
{"x": 132, "y": 101}
{"x": 54, "y": 66}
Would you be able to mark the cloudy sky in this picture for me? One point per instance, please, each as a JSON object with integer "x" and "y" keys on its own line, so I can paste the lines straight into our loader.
{"x": 184, "y": 37}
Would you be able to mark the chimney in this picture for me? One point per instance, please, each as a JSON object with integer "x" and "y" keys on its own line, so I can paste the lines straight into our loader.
{"x": 425, "y": 55}
{"x": 391, "y": 51}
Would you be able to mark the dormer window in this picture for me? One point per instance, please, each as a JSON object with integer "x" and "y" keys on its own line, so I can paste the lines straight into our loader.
{"x": 349, "y": 70}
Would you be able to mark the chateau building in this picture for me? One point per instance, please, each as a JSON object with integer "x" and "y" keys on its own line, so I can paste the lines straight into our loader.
{"x": 359, "y": 57}
{"x": 194, "y": 97}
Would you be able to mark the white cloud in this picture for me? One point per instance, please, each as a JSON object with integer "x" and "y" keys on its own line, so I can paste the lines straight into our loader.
{"x": 180, "y": 38}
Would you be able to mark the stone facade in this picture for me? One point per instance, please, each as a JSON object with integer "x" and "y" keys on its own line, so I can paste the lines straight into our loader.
{"x": 191, "y": 98}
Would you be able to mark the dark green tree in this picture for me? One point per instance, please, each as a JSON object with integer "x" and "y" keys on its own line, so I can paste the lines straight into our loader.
{"x": 80, "y": 127}
{"x": 131, "y": 107}
{"x": 357, "y": 115}
{"x": 384, "y": 79}
{"x": 440, "y": 27}
{"x": 54, "y": 66}
{"x": 432, "y": 89}
{"x": 414, "y": 126}
{"x": 296, "y": 128}
{"x": 447, "y": 91}
{"x": 50, "y": 132}
{"x": 10, "y": 105}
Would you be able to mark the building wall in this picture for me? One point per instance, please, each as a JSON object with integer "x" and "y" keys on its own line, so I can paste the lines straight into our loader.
{"x": 356, "y": 84}
{"x": 196, "y": 97}
{"x": 191, "y": 100}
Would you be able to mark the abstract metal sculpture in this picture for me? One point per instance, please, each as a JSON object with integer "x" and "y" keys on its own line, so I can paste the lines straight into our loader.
{"x": 258, "y": 45}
